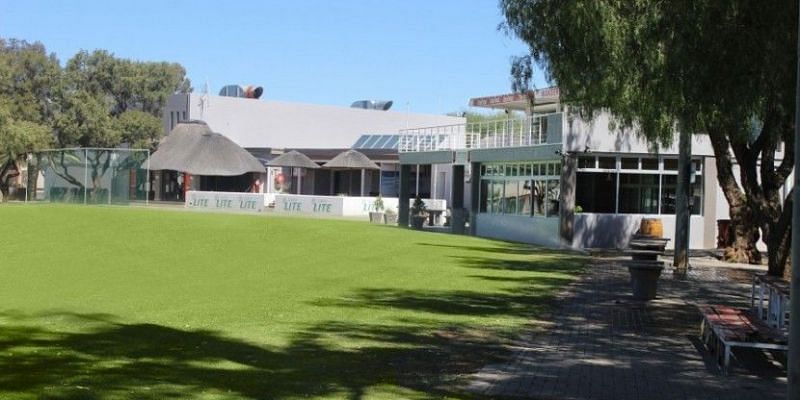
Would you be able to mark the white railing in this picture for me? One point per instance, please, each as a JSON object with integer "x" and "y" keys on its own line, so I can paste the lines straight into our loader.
{"x": 528, "y": 131}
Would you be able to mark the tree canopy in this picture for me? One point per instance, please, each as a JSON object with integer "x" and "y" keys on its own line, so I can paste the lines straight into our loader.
{"x": 723, "y": 68}
{"x": 95, "y": 100}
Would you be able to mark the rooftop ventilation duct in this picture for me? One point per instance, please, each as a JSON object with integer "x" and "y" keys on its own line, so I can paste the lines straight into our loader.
{"x": 247, "y": 91}
{"x": 382, "y": 105}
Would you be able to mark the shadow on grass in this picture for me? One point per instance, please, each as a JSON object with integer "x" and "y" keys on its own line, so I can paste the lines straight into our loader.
{"x": 108, "y": 357}
{"x": 147, "y": 361}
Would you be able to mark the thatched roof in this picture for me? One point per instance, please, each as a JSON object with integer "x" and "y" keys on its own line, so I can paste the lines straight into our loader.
{"x": 293, "y": 159}
{"x": 351, "y": 159}
{"x": 192, "y": 147}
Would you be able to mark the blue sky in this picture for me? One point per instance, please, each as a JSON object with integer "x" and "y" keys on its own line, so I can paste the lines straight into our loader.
{"x": 428, "y": 56}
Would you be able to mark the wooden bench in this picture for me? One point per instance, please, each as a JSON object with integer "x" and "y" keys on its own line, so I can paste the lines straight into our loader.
{"x": 724, "y": 328}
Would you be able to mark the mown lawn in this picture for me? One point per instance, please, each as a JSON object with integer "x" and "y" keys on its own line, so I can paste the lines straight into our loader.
{"x": 132, "y": 303}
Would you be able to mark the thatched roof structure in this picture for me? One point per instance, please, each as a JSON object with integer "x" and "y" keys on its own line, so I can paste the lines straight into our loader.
{"x": 351, "y": 159}
{"x": 193, "y": 148}
{"x": 294, "y": 159}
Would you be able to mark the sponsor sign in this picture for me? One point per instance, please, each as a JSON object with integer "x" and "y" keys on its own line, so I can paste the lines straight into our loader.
{"x": 225, "y": 201}
{"x": 340, "y": 206}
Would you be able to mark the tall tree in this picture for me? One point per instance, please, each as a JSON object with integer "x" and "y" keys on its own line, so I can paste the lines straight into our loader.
{"x": 30, "y": 80}
{"x": 17, "y": 138}
{"x": 724, "y": 68}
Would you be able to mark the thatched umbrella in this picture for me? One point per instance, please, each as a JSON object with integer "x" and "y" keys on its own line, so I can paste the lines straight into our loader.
{"x": 294, "y": 159}
{"x": 193, "y": 148}
{"x": 352, "y": 160}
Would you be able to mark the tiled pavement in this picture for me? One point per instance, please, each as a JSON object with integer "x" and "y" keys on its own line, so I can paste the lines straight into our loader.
{"x": 604, "y": 345}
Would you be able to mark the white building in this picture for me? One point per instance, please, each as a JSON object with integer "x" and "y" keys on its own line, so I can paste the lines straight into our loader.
{"x": 556, "y": 179}
{"x": 267, "y": 128}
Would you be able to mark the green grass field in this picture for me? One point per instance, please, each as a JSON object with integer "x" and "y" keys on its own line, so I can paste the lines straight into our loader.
{"x": 130, "y": 303}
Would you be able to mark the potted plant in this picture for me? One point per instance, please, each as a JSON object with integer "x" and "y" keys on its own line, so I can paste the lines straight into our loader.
{"x": 376, "y": 216}
{"x": 390, "y": 216}
{"x": 419, "y": 213}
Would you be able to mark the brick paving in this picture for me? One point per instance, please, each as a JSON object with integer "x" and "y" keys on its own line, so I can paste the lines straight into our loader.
{"x": 605, "y": 345}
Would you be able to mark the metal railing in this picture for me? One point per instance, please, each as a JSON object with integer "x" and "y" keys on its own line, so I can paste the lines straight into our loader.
{"x": 499, "y": 133}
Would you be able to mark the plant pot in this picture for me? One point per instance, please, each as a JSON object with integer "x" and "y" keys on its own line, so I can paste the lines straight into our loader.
{"x": 417, "y": 221}
{"x": 376, "y": 217}
{"x": 390, "y": 219}
{"x": 644, "y": 279}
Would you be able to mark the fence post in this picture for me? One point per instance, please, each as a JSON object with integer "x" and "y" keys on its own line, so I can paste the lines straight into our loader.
{"x": 85, "y": 173}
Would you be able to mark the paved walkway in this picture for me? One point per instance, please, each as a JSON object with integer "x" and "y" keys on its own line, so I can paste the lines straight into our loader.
{"x": 604, "y": 345}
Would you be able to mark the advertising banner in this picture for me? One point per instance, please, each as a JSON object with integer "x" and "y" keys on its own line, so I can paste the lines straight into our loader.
{"x": 225, "y": 201}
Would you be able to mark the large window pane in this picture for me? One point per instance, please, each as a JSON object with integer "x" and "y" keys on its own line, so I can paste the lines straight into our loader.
{"x": 510, "y": 197}
{"x": 484, "y": 200}
{"x": 638, "y": 194}
{"x": 669, "y": 184}
{"x": 525, "y": 201}
{"x": 668, "y": 187}
{"x": 539, "y": 196}
{"x": 596, "y": 191}
{"x": 553, "y": 198}
{"x": 497, "y": 197}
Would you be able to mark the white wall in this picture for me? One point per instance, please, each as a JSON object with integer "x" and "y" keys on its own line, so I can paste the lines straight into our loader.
{"x": 519, "y": 228}
{"x": 615, "y": 230}
{"x": 597, "y": 134}
{"x": 269, "y": 123}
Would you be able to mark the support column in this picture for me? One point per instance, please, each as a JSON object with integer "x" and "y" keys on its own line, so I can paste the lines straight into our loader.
{"x": 363, "y": 174}
{"x": 569, "y": 166}
{"x": 475, "y": 188}
{"x": 299, "y": 180}
{"x": 405, "y": 196}
{"x": 457, "y": 198}
{"x": 682, "y": 212}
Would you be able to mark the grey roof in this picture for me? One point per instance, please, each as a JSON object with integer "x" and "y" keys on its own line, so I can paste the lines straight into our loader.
{"x": 294, "y": 159}
{"x": 192, "y": 147}
{"x": 351, "y": 159}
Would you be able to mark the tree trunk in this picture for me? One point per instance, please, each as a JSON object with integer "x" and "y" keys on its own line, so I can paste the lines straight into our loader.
{"x": 745, "y": 236}
{"x": 745, "y": 230}
{"x": 4, "y": 192}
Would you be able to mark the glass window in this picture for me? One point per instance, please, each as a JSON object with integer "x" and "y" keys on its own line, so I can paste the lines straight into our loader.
{"x": 508, "y": 170}
{"x": 650, "y": 164}
{"x": 484, "y": 191}
{"x": 510, "y": 197}
{"x": 525, "y": 201}
{"x": 629, "y": 163}
{"x": 495, "y": 197}
{"x": 670, "y": 164}
{"x": 539, "y": 193}
{"x": 595, "y": 192}
{"x": 586, "y": 162}
{"x": 669, "y": 185}
{"x": 638, "y": 194}
{"x": 607, "y": 162}
{"x": 697, "y": 165}
{"x": 483, "y": 171}
{"x": 553, "y": 198}
{"x": 528, "y": 170}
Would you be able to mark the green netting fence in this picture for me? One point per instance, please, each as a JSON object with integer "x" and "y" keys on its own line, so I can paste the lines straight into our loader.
{"x": 89, "y": 176}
